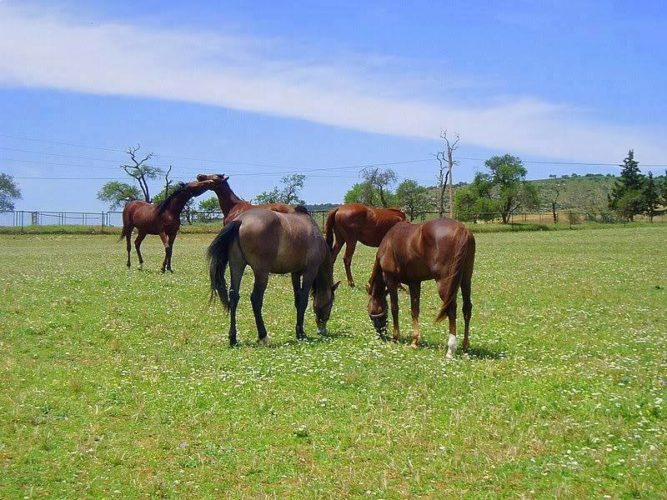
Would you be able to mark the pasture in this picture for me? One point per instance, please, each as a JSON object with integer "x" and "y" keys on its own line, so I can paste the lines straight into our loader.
{"x": 121, "y": 383}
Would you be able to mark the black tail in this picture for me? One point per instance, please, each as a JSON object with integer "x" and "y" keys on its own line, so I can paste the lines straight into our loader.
{"x": 218, "y": 256}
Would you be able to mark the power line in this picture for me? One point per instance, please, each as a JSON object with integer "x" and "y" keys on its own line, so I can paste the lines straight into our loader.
{"x": 270, "y": 165}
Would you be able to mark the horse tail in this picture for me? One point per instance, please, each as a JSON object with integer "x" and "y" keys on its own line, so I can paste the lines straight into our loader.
{"x": 127, "y": 224}
{"x": 218, "y": 256}
{"x": 464, "y": 254}
{"x": 329, "y": 228}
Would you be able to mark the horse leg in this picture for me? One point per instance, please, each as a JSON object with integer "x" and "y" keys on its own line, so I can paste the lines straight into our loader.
{"x": 167, "y": 251}
{"x": 301, "y": 299}
{"x": 128, "y": 238}
{"x": 338, "y": 245}
{"x": 347, "y": 260}
{"x": 236, "y": 273}
{"x": 257, "y": 299}
{"x": 137, "y": 245}
{"x": 296, "y": 286}
{"x": 170, "y": 250}
{"x": 415, "y": 292}
{"x": 393, "y": 297}
{"x": 467, "y": 307}
{"x": 451, "y": 315}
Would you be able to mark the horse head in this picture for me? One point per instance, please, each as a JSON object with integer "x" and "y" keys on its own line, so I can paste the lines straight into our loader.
{"x": 216, "y": 178}
{"x": 322, "y": 303}
{"x": 377, "y": 306}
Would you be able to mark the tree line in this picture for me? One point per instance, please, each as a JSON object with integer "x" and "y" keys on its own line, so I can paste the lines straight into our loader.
{"x": 497, "y": 192}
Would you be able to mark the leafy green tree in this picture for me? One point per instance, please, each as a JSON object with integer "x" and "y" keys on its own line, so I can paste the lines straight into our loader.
{"x": 627, "y": 197}
{"x": 474, "y": 202}
{"x": 651, "y": 196}
{"x": 209, "y": 209}
{"x": 512, "y": 191}
{"x": 504, "y": 190}
{"x": 9, "y": 192}
{"x": 289, "y": 193}
{"x": 380, "y": 180}
{"x": 413, "y": 198}
{"x": 362, "y": 192}
{"x": 117, "y": 194}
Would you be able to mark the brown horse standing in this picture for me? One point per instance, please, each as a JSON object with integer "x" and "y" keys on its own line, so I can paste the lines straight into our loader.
{"x": 354, "y": 222}
{"x": 163, "y": 219}
{"x": 273, "y": 242}
{"x": 443, "y": 250}
{"x": 231, "y": 205}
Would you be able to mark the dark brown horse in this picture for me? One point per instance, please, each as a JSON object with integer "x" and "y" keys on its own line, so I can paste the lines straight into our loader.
{"x": 354, "y": 222}
{"x": 163, "y": 219}
{"x": 273, "y": 242}
{"x": 231, "y": 205}
{"x": 443, "y": 250}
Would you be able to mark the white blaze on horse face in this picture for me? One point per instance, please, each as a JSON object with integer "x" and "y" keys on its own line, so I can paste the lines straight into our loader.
{"x": 451, "y": 346}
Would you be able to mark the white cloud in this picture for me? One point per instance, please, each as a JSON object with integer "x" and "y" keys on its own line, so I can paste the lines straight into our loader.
{"x": 52, "y": 51}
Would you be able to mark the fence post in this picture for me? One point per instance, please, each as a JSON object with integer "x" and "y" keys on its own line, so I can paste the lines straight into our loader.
{"x": 102, "y": 216}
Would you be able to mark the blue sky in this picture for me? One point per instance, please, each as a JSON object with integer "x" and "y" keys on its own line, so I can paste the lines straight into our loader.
{"x": 261, "y": 89}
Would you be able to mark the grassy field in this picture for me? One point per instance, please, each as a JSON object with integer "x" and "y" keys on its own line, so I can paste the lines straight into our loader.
{"x": 120, "y": 383}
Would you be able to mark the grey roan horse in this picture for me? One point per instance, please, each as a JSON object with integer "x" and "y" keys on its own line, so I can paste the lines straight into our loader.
{"x": 278, "y": 243}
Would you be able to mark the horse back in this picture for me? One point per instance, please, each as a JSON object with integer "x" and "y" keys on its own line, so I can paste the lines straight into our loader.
{"x": 418, "y": 252}
{"x": 147, "y": 218}
{"x": 356, "y": 221}
{"x": 279, "y": 242}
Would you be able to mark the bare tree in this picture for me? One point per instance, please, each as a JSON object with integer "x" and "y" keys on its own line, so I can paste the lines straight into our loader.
{"x": 140, "y": 170}
{"x": 446, "y": 160}
{"x": 167, "y": 180}
{"x": 380, "y": 179}
{"x": 553, "y": 192}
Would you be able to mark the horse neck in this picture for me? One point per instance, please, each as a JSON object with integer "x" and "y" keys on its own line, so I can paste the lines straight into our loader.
{"x": 378, "y": 286}
{"x": 227, "y": 198}
{"x": 324, "y": 278}
{"x": 178, "y": 202}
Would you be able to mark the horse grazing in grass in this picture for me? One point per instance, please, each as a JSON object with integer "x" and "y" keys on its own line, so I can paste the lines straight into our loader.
{"x": 354, "y": 222}
{"x": 443, "y": 250}
{"x": 231, "y": 205}
{"x": 163, "y": 219}
{"x": 273, "y": 242}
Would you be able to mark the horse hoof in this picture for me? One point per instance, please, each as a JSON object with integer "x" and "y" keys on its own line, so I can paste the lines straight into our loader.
{"x": 414, "y": 346}
{"x": 264, "y": 340}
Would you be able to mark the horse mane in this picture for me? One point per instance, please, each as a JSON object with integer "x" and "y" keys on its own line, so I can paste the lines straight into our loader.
{"x": 324, "y": 276}
{"x": 165, "y": 203}
{"x": 398, "y": 211}
{"x": 376, "y": 278}
{"x": 301, "y": 210}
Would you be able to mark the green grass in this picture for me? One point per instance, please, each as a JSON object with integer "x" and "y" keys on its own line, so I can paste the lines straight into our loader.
{"x": 120, "y": 383}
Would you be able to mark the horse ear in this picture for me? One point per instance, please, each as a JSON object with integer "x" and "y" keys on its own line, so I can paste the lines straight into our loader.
{"x": 333, "y": 288}
{"x": 225, "y": 177}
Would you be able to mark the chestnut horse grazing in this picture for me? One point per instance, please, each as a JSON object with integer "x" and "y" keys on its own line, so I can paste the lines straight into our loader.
{"x": 272, "y": 242}
{"x": 443, "y": 250}
{"x": 230, "y": 204}
{"x": 354, "y": 222}
{"x": 163, "y": 219}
